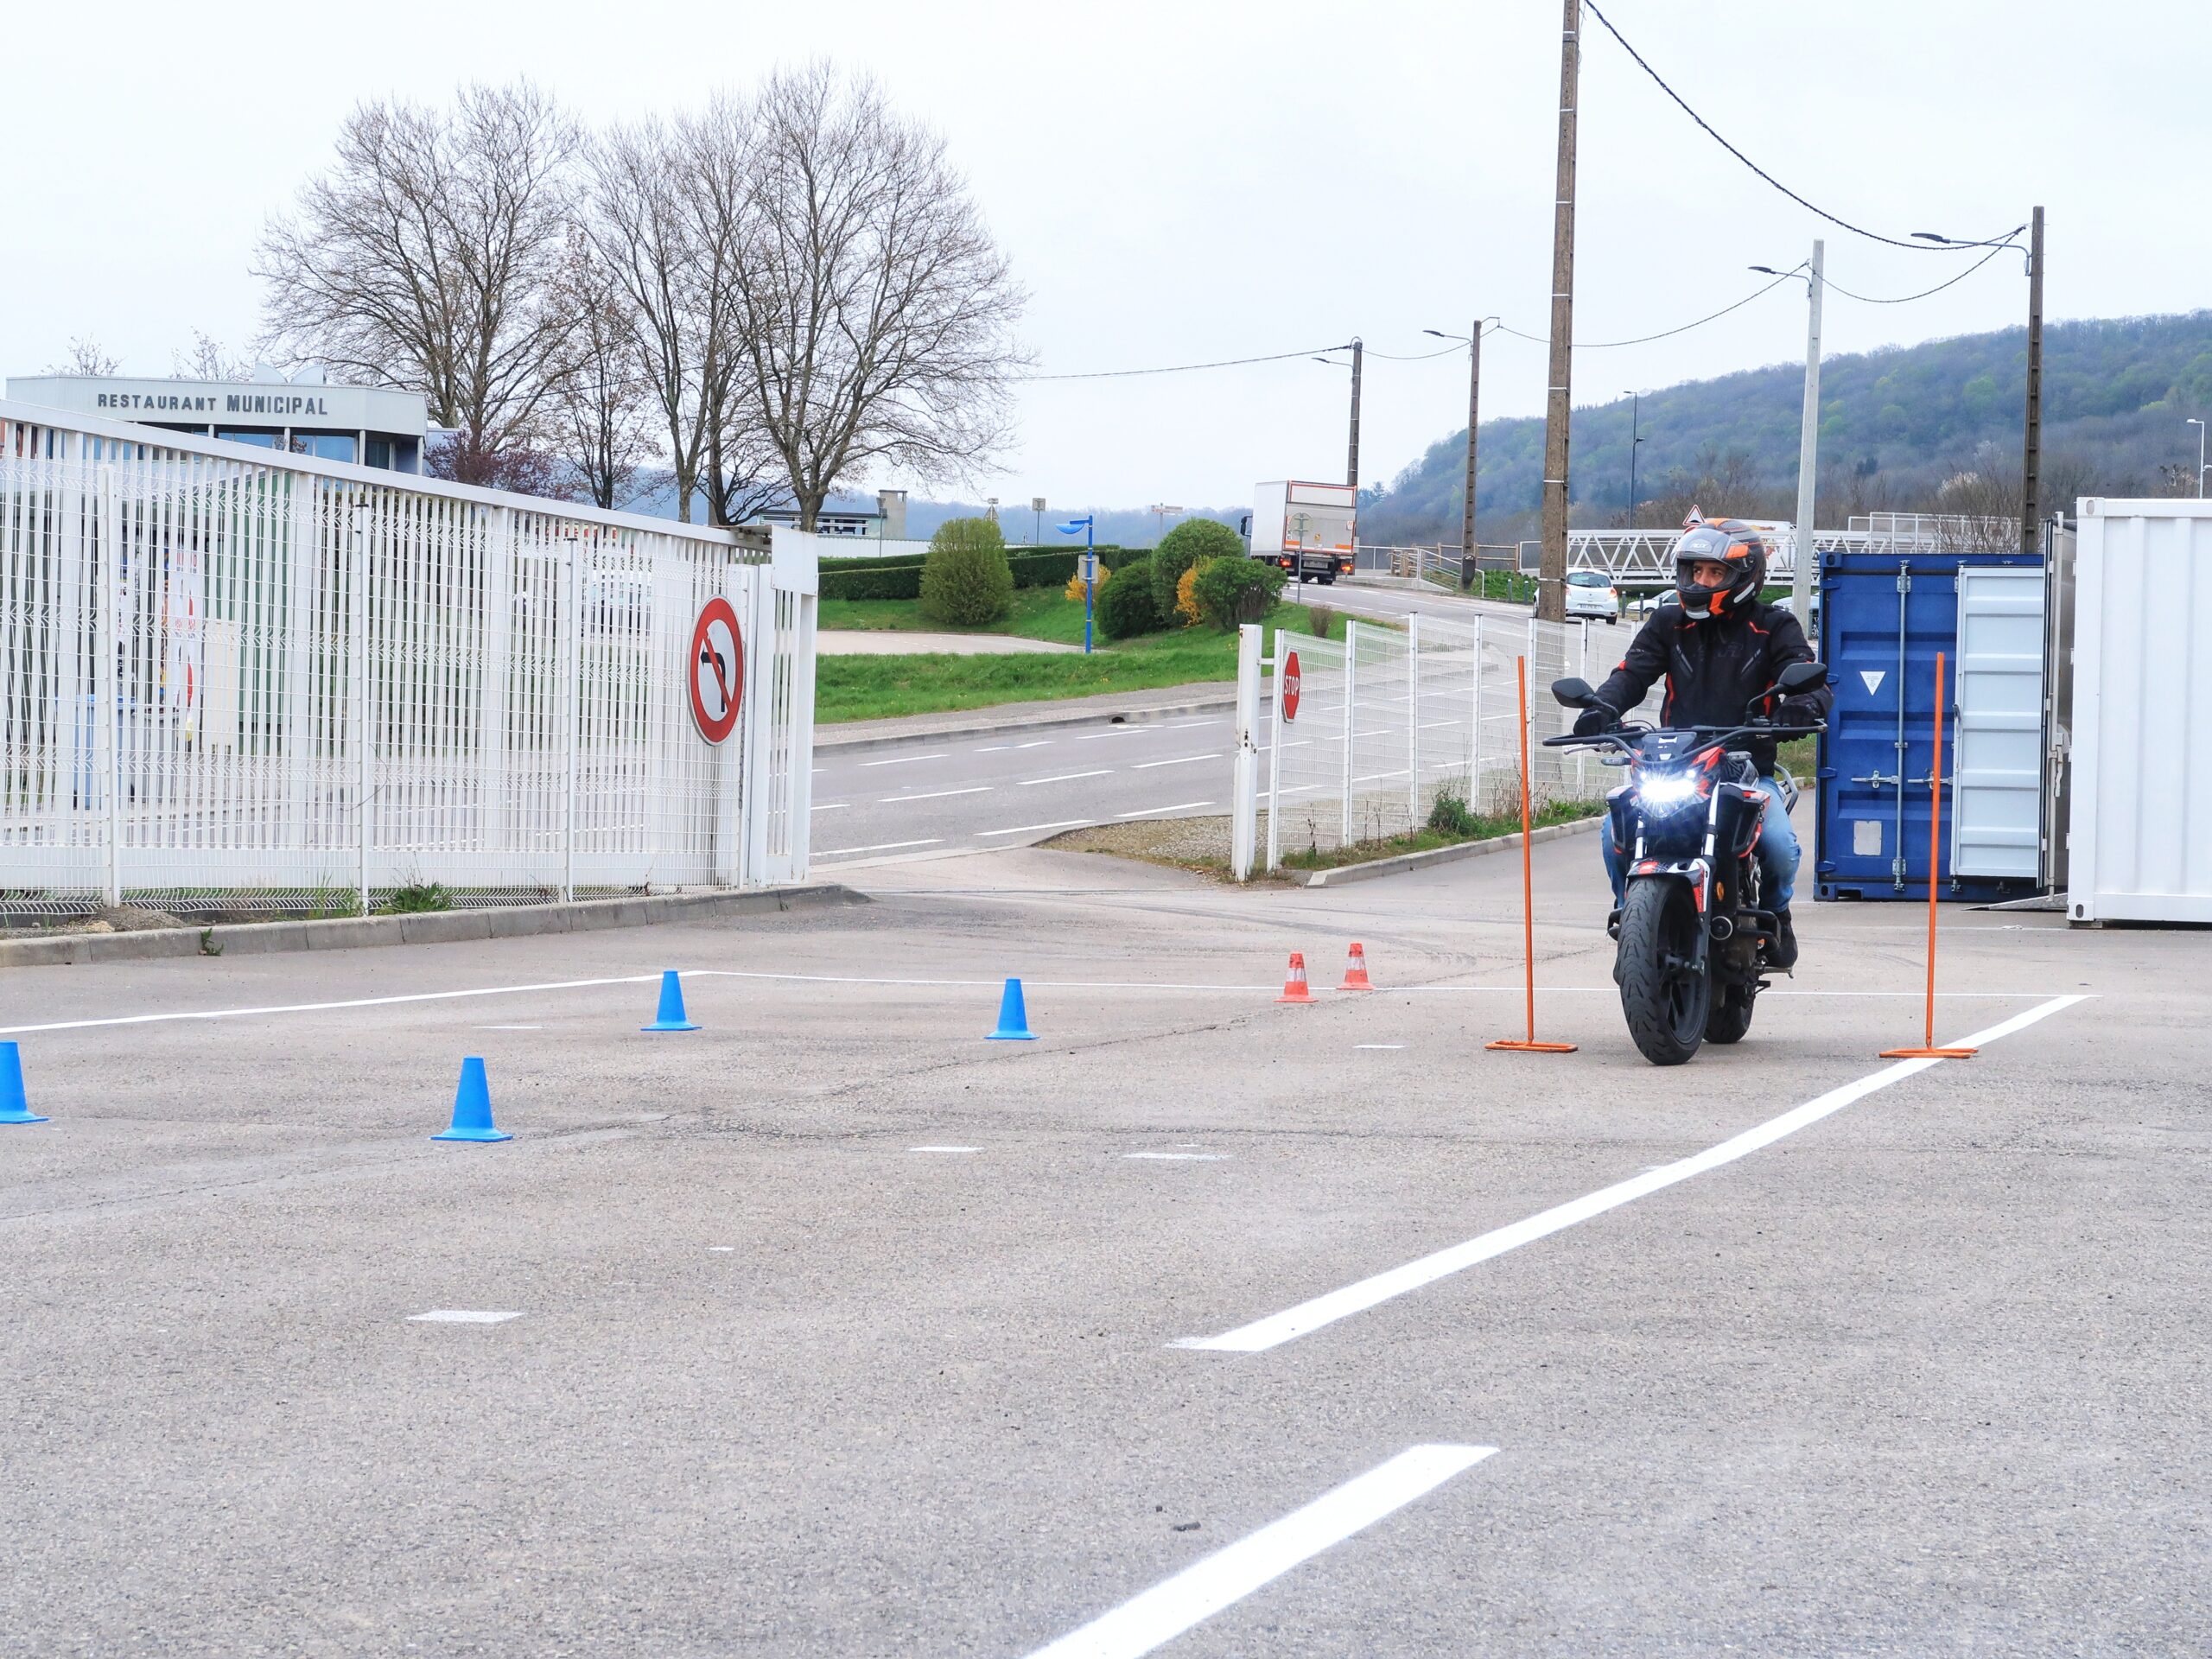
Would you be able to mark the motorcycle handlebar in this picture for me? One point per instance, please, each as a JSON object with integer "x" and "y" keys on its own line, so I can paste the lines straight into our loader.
{"x": 1622, "y": 736}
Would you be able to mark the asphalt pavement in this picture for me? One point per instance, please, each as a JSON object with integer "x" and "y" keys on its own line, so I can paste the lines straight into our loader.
{"x": 1201, "y": 1325}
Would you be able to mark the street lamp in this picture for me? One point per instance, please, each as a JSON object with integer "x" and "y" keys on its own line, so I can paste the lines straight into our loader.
{"x": 1086, "y": 525}
{"x": 1473, "y": 341}
{"x": 2199, "y": 425}
{"x": 1809, "y": 437}
{"x": 1635, "y": 427}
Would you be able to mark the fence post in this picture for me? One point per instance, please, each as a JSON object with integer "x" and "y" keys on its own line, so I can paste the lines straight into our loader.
{"x": 572, "y": 652}
{"x": 1475, "y": 731}
{"x": 109, "y": 638}
{"x": 1351, "y": 702}
{"x": 1274, "y": 756}
{"x": 301, "y": 566}
{"x": 1530, "y": 754}
{"x": 1244, "y": 782}
{"x": 491, "y": 708}
{"x": 357, "y": 560}
{"x": 1582, "y": 756}
{"x": 1412, "y": 720}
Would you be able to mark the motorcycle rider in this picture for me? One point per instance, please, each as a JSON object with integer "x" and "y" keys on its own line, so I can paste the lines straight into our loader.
{"x": 1719, "y": 650}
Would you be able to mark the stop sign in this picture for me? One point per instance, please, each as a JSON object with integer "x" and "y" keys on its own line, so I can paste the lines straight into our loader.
{"x": 1290, "y": 688}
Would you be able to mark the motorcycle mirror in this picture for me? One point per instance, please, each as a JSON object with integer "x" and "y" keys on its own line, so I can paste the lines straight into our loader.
{"x": 1575, "y": 693}
{"x": 1799, "y": 677}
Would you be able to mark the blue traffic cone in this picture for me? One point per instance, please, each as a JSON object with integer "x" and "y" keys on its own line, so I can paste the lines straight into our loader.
{"x": 472, "y": 1107}
{"x": 1013, "y": 1017}
{"x": 13, "y": 1109}
{"x": 670, "y": 1017}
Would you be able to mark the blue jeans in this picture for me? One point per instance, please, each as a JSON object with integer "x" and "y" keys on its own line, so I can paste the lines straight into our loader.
{"x": 1776, "y": 853}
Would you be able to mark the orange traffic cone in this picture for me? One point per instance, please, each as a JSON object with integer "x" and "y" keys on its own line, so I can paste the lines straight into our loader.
{"x": 1294, "y": 988}
{"x": 1356, "y": 977}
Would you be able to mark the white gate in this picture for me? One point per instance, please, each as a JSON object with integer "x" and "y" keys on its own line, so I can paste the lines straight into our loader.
{"x": 230, "y": 678}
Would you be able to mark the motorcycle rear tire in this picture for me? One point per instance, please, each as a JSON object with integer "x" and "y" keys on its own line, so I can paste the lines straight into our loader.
{"x": 1731, "y": 1018}
{"x": 1666, "y": 1008}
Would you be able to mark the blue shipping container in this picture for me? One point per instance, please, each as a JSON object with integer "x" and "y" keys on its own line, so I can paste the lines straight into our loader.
{"x": 1883, "y": 618}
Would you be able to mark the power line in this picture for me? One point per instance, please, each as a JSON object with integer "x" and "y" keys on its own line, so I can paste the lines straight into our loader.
{"x": 1903, "y": 299}
{"x": 1182, "y": 368}
{"x": 1645, "y": 339}
{"x": 1412, "y": 357}
{"x": 1856, "y": 230}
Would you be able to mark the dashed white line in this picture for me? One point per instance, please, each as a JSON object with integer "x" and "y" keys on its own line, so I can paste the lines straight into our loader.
{"x": 1040, "y": 743}
{"x": 906, "y": 759}
{"x": 1310, "y": 1316}
{"x": 462, "y": 1316}
{"x": 944, "y": 1148}
{"x": 1065, "y": 778}
{"x": 1029, "y": 828}
{"x": 830, "y": 806}
{"x": 1378, "y": 1044}
{"x": 880, "y": 847}
{"x": 1179, "y": 760}
{"x": 1181, "y": 1157}
{"x": 935, "y": 795}
{"x": 1227, "y": 1576}
{"x": 1118, "y": 731}
{"x": 1154, "y": 811}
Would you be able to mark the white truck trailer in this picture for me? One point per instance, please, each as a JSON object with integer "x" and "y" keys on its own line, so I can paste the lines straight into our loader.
{"x": 1305, "y": 529}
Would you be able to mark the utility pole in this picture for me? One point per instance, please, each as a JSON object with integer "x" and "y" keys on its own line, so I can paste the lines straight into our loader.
{"x": 1809, "y": 441}
{"x": 2031, "y": 458}
{"x": 1551, "y": 562}
{"x": 1351, "y": 454}
{"x": 1635, "y": 443}
{"x": 1474, "y": 419}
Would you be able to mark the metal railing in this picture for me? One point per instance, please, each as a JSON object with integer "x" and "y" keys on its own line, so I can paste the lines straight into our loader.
{"x": 230, "y": 679}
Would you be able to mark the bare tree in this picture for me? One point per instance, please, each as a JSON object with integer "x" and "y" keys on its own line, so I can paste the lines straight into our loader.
{"x": 428, "y": 257}
{"x": 872, "y": 313}
{"x": 86, "y": 358}
{"x": 602, "y": 405}
{"x": 209, "y": 359}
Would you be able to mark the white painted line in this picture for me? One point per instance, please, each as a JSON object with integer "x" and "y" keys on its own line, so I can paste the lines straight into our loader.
{"x": 1040, "y": 743}
{"x": 1227, "y": 1576}
{"x": 509, "y": 1028}
{"x": 935, "y": 795}
{"x": 1309, "y": 1317}
{"x": 462, "y": 1316}
{"x": 992, "y": 748}
{"x": 1378, "y": 1044}
{"x": 906, "y": 759}
{"x": 1156, "y": 811}
{"x": 880, "y": 847}
{"x": 944, "y": 1148}
{"x": 721, "y": 1250}
{"x": 1065, "y": 778}
{"x": 1117, "y": 731}
{"x": 1029, "y": 828}
{"x": 830, "y": 806}
{"x": 1179, "y": 760}
{"x": 1182, "y": 1157}
{"x": 349, "y": 1002}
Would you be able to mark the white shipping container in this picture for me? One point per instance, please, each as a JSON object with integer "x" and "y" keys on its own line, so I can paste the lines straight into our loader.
{"x": 2141, "y": 816}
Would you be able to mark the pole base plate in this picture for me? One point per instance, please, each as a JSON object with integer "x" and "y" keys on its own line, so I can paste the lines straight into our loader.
{"x": 1530, "y": 1046}
{"x": 1928, "y": 1054}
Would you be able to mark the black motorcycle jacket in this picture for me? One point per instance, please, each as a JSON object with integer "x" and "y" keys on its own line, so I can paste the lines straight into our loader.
{"x": 1715, "y": 668}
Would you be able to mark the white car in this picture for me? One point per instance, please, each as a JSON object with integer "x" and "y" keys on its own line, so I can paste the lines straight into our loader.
{"x": 1592, "y": 592}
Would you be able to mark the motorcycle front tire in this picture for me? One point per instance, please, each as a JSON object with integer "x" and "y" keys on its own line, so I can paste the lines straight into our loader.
{"x": 1666, "y": 1006}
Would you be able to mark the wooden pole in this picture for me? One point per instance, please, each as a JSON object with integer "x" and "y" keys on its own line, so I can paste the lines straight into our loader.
{"x": 1551, "y": 570}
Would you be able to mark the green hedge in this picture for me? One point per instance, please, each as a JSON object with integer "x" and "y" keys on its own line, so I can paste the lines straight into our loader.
{"x": 899, "y": 575}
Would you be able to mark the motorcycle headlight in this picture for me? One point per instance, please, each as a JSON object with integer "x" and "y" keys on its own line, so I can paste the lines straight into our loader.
{"x": 1663, "y": 791}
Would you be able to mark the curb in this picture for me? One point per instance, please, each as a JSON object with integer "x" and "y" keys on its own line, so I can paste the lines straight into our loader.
{"x": 430, "y": 927}
{"x": 826, "y": 741}
{"x": 1381, "y": 867}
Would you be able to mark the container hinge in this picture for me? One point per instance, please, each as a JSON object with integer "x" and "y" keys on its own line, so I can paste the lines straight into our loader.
{"x": 1905, "y": 579}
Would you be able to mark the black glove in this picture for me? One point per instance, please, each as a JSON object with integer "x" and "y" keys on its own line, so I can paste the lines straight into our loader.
{"x": 1797, "y": 711}
{"x": 1595, "y": 719}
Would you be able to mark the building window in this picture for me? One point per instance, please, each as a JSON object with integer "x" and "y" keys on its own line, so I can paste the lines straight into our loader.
{"x": 263, "y": 440}
{"x": 324, "y": 446}
{"x": 380, "y": 453}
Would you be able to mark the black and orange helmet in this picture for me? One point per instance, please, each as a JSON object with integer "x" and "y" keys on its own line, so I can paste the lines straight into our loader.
{"x": 1733, "y": 545}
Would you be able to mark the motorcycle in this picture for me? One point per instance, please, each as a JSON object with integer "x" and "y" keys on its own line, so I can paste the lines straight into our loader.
{"x": 1695, "y": 941}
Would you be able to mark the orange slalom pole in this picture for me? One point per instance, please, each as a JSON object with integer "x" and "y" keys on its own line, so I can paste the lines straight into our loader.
{"x": 1529, "y": 1044}
{"x": 1928, "y": 1051}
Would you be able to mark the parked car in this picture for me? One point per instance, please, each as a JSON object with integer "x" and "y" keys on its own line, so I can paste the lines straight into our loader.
{"x": 1592, "y": 592}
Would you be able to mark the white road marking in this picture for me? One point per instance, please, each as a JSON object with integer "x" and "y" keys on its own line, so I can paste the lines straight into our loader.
{"x": 1309, "y": 1317}
{"x": 1154, "y": 811}
{"x": 1270, "y": 988}
{"x": 721, "y": 1250}
{"x": 880, "y": 847}
{"x": 993, "y": 748}
{"x": 1040, "y": 743}
{"x": 1118, "y": 731}
{"x": 906, "y": 759}
{"x": 1179, "y": 760}
{"x": 944, "y": 1148}
{"x": 1378, "y": 1044}
{"x": 462, "y": 1316}
{"x": 1182, "y": 1157}
{"x": 830, "y": 806}
{"x": 1028, "y": 828}
{"x": 1227, "y": 1576}
{"x": 509, "y": 1028}
{"x": 935, "y": 795}
{"x": 1065, "y": 778}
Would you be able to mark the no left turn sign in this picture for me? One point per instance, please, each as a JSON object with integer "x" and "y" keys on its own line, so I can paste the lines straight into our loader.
{"x": 1290, "y": 688}
{"x": 717, "y": 673}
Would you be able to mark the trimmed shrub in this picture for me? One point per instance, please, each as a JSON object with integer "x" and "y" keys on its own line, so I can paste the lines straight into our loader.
{"x": 1319, "y": 619}
{"x": 872, "y": 580}
{"x": 1125, "y": 607}
{"x": 1229, "y": 591}
{"x": 965, "y": 581}
{"x": 1190, "y": 543}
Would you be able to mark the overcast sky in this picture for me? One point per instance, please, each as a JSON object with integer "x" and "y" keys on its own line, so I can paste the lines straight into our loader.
{"x": 1194, "y": 180}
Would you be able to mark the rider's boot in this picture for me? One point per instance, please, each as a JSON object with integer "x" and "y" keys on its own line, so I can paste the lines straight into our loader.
{"x": 1782, "y": 953}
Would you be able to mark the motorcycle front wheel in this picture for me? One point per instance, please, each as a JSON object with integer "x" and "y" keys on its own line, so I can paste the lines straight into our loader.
{"x": 1665, "y": 998}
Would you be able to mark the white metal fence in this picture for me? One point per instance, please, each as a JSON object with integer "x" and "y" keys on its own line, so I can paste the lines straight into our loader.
{"x": 1387, "y": 719}
{"x": 231, "y": 679}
